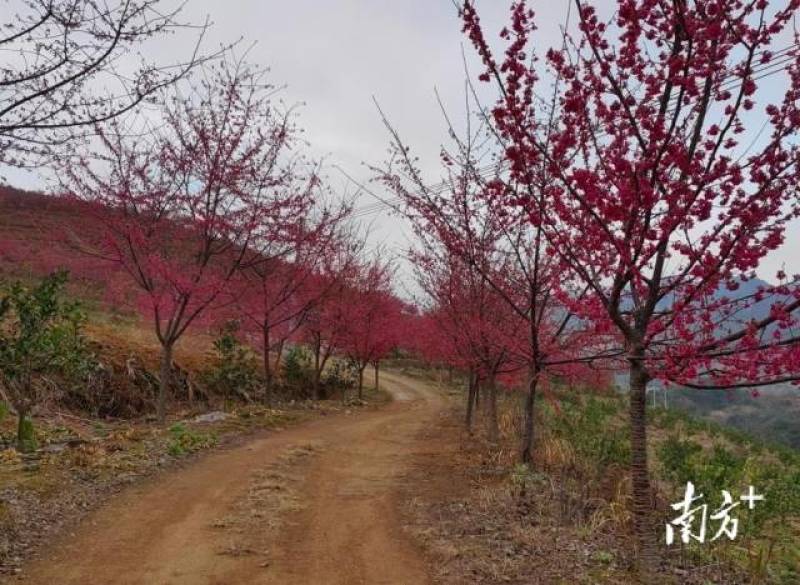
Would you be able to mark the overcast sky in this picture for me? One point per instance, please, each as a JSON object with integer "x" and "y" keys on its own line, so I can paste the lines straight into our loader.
{"x": 335, "y": 55}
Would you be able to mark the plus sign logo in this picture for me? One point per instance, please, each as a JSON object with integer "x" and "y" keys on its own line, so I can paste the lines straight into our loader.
{"x": 751, "y": 498}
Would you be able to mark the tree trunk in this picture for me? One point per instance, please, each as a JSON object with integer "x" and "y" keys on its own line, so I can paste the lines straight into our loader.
{"x": 640, "y": 478}
{"x": 189, "y": 389}
{"x": 325, "y": 357}
{"x": 360, "y": 383}
{"x": 526, "y": 455}
{"x": 267, "y": 366}
{"x": 376, "y": 375}
{"x": 317, "y": 371}
{"x": 491, "y": 411}
{"x": 165, "y": 382}
{"x": 278, "y": 357}
{"x": 471, "y": 387}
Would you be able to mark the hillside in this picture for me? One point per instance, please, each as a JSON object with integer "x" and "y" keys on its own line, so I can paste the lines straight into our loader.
{"x": 32, "y": 226}
{"x": 770, "y": 415}
{"x": 37, "y": 236}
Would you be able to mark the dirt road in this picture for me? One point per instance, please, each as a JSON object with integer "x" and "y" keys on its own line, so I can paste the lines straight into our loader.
{"x": 311, "y": 505}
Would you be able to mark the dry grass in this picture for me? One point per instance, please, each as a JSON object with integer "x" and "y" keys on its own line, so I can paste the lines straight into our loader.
{"x": 486, "y": 533}
{"x": 273, "y": 493}
{"x": 484, "y": 520}
{"x": 121, "y": 338}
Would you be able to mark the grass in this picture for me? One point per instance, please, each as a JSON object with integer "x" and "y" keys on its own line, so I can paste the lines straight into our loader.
{"x": 578, "y": 492}
{"x": 714, "y": 456}
{"x": 588, "y": 440}
{"x": 272, "y": 493}
{"x": 185, "y": 441}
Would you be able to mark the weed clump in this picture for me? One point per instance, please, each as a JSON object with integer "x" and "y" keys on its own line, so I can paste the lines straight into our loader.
{"x": 184, "y": 440}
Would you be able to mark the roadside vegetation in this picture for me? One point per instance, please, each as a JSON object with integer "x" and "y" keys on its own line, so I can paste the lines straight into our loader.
{"x": 567, "y": 517}
{"x": 79, "y": 394}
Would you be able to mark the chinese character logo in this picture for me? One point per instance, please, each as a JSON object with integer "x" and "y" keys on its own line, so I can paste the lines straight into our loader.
{"x": 695, "y": 517}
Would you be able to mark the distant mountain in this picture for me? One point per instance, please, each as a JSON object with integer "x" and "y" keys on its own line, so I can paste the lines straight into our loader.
{"x": 746, "y": 288}
{"x": 774, "y": 415}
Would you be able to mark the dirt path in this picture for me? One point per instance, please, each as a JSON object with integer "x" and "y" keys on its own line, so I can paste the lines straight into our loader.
{"x": 341, "y": 527}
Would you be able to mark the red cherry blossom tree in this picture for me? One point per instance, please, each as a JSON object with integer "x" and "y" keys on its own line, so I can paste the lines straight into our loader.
{"x": 478, "y": 324}
{"x": 467, "y": 216}
{"x": 371, "y": 318}
{"x": 431, "y": 343}
{"x": 324, "y": 324}
{"x": 181, "y": 206}
{"x": 282, "y": 281}
{"x": 662, "y": 204}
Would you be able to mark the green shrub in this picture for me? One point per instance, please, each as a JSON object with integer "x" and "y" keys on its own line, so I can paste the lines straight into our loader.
{"x": 665, "y": 418}
{"x": 339, "y": 377}
{"x": 185, "y": 440}
{"x": 41, "y": 338}
{"x": 711, "y": 471}
{"x": 590, "y": 430}
{"x": 780, "y": 484}
{"x": 676, "y": 457}
{"x": 26, "y": 436}
{"x": 235, "y": 370}
{"x": 720, "y": 469}
{"x": 297, "y": 371}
